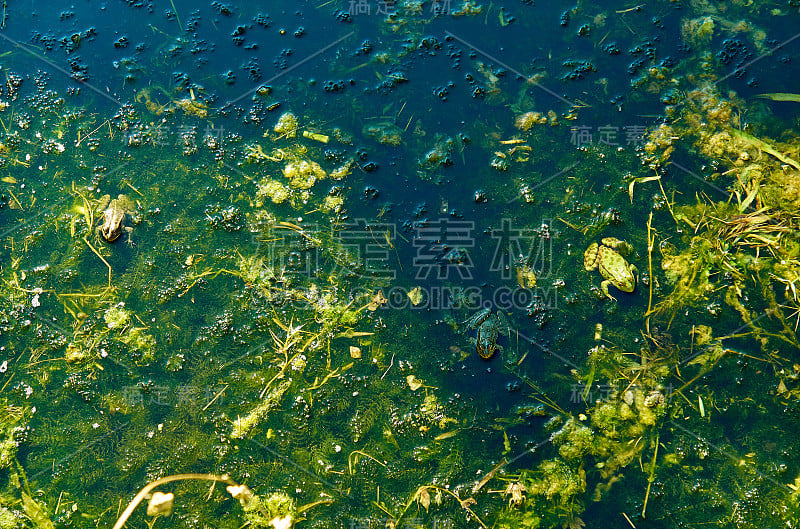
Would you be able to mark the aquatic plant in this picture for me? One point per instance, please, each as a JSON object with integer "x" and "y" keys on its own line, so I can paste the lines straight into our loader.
{"x": 594, "y": 450}
{"x": 12, "y": 427}
{"x": 286, "y": 126}
{"x": 528, "y": 119}
{"x": 282, "y": 359}
{"x": 277, "y": 510}
{"x": 385, "y": 132}
{"x": 699, "y": 30}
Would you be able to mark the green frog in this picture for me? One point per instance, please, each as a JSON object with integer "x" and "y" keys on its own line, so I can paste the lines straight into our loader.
{"x": 115, "y": 213}
{"x": 489, "y": 326}
{"x": 613, "y": 267}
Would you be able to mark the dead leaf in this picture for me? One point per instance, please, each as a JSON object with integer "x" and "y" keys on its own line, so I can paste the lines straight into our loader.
{"x": 376, "y": 301}
{"x": 574, "y": 523}
{"x": 350, "y": 333}
{"x": 781, "y": 97}
{"x": 424, "y": 498}
{"x": 282, "y": 523}
{"x": 446, "y": 435}
{"x": 467, "y": 502}
{"x": 413, "y": 383}
{"x": 355, "y": 352}
{"x": 640, "y": 180}
{"x": 415, "y": 296}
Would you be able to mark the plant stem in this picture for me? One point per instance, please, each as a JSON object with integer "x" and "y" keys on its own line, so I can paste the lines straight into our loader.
{"x": 651, "y": 477}
{"x": 150, "y": 486}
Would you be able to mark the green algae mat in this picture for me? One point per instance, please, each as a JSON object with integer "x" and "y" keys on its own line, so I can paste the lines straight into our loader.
{"x": 405, "y": 265}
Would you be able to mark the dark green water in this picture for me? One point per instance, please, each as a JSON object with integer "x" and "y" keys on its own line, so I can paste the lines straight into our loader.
{"x": 225, "y": 338}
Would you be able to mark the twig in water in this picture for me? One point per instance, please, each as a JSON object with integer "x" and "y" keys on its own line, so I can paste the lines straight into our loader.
{"x": 388, "y": 368}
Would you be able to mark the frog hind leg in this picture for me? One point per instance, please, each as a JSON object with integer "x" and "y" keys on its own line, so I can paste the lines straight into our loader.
{"x": 618, "y": 245}
{"x": 102, "y": 203}
{"x": 129, "y": 231}
{"x": 604, "y": 288}
{"x": 590, "y": 260}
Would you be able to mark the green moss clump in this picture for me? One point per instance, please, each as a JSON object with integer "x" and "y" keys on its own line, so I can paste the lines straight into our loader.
{"x": 350, "y": 318}
{"x": 276, "y": 511}
{"x": 272, "y": 189}
{"x": 287, "y": 125}
{"x": 690, "y": 270}
{"x": 303, "y": 174}
{"x": 75, "y": 354}
{"x": 117, "y": 317}
{"x": 625, "y": 412}
{"x": 514, "y": 519}
{"x": 784, "y": 190}
{"x": 37, "y": 513}
{"x": 468, "y": 8}
{"x": 558, "y": 480}
{"x": 385, "y": 132}
{"x": 527, "y": 120}
{"x": 243, "y": 425}
{"x": 332, "y": 204}
{"x": 606, "y": 418}
{"x": 8, "y": 449}
{"x": 141, "y": 344}
{"x": 698, "y": 30}
{"x": 8, "y": 520}
{"x": 342, "y": 171}
{"x": 575, "y": 440}
{"x": 434, "y": 412}
{"x": 440, "y": 153}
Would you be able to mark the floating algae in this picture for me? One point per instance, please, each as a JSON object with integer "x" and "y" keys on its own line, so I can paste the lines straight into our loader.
{"x": 254, "y": 251}
{"x": 272, "y": 189}
{"x": 385, "y": 132}
{"x": 286, "y": 125}
{"x": 303, "y": 174}
{"x": 243, "y": 425}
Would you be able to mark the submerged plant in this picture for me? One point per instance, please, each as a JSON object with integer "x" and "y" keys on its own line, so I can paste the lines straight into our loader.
{"x": 276, "y": 511}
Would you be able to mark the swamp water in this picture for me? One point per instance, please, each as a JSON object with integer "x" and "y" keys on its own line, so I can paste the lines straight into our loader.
{"x": 320, "y": 213}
